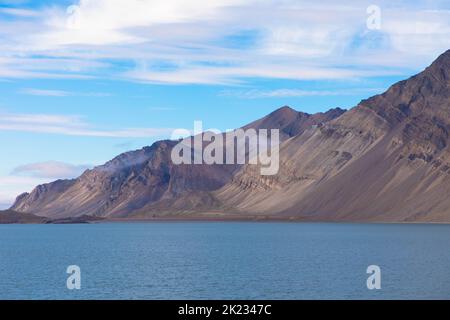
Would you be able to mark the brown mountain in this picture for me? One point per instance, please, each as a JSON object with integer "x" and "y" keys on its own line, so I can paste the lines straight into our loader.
{"x": 146, "y": 181}
{"x": 387, "y": 159}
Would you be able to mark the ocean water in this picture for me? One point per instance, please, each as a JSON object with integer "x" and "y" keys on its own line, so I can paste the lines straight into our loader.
{"x": 225, "y": 260}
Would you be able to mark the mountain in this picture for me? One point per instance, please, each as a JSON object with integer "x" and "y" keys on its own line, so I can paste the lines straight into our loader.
{"x": 145, "y": 181}
{"x": 385, "y": 160}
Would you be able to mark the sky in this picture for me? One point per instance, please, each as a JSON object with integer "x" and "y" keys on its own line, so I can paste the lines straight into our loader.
{"x": 83, "y": 81}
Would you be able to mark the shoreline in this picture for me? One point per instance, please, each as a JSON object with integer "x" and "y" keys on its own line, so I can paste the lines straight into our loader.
{"x": 222, "y": 220}
{"x": 14, "y": 217}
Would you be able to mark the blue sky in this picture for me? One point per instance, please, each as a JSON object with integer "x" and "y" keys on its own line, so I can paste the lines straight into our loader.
{"x": 82, "y": 81}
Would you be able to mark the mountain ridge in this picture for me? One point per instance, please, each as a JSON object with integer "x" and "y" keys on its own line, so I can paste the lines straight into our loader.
{"x": 146, "y": 178}
{"x": 385, "y": 160}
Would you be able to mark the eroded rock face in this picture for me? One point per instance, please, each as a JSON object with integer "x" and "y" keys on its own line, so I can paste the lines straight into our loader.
{"x": 146, "y": 181}
{"x": 387, "y": 159}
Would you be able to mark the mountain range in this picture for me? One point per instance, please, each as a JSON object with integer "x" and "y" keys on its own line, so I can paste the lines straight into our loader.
{"x": 385, "y": 160}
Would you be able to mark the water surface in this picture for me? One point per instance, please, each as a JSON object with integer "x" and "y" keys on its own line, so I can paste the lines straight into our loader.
{"x": 224, "y": 260}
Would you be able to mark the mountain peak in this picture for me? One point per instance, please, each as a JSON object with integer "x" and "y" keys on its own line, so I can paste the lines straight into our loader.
{"x": 284, "y": 110}
{"x": 444, "y": 57}
{"x": 440, "y": 68}
{"x": 283, "y": 115}
{"x": 424, "y": 93}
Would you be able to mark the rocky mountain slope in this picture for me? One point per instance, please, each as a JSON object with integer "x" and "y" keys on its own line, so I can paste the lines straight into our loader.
{"x": 145, "y": 181}
{"x": 387, "y": 159}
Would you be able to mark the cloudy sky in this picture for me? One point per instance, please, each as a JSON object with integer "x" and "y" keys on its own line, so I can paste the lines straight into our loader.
{"x": 81, "y": 81}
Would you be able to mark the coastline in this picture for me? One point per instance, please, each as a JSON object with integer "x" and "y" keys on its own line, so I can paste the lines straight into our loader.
{"x": 25, "y": 218}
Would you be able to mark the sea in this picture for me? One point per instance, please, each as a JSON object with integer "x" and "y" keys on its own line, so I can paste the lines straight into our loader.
{"x": 224, "y": 260}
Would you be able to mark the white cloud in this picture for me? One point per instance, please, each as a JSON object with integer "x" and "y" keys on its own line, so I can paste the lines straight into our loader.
{"x": 424, "y": 32}
{"x": 286, "y": 93}
{"x": 290, "y": 39}
{"x": 104, "y": 22}
{"x": 19, "y": 12}
{"x": 50, "y": 170}
{"x": 71, "y": 126}
{"x": 44, "y": 92}
{"x": 236, "y": 75}
{"x": 61, "y": 93}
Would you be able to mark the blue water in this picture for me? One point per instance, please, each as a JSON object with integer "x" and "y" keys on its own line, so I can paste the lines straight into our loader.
{"x": 206, "y": 260}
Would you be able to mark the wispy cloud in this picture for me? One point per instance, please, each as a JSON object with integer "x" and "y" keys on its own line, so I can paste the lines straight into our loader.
{"x": 41, "y": 92}
{"x": 289, "y": 93}
{"x": 19, "y": 12}
{"x": 238, "y": 74}
{"x": 51, "y": 170}
{"x": 71, "y": 125}
{"x": 61, "y": 93}
{"x": 136, "y": 40}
